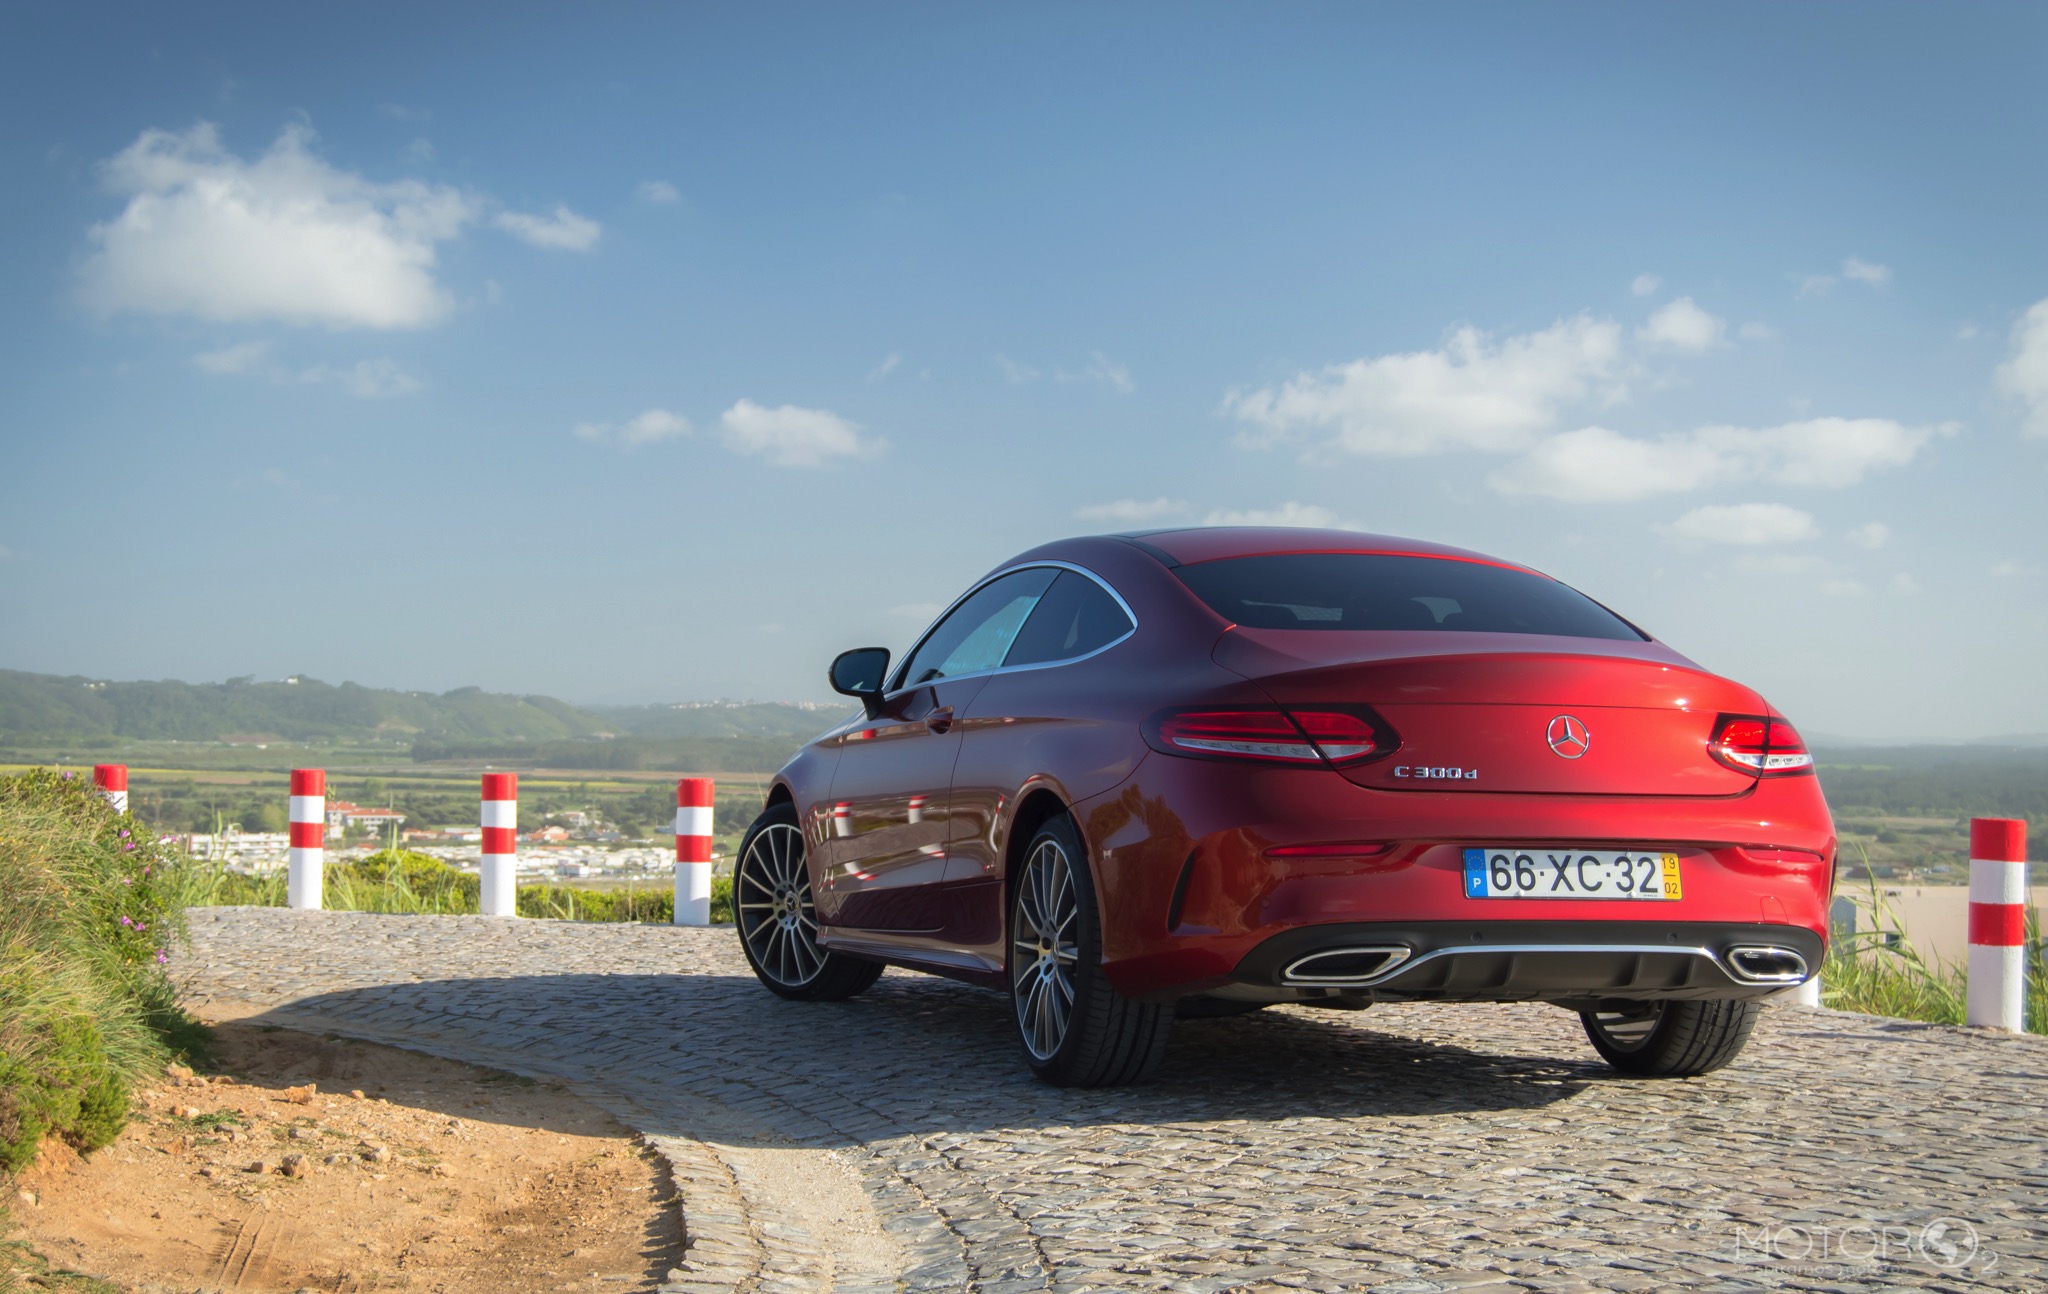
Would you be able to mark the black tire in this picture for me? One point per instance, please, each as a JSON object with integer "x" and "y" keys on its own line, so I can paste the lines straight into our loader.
{"x": 771, "y": 902}
{"x": 1671, "y": 1039}
{"x": 1200, "y": 1007}
{"x": 1076, "y": 1030}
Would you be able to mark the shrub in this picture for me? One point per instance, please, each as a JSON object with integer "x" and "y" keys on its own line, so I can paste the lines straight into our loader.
{"x": 89, "y": 919}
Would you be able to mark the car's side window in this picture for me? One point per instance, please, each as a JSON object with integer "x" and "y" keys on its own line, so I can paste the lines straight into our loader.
{"x": 978, "y": 634}
{"x": 1076, "y": 616}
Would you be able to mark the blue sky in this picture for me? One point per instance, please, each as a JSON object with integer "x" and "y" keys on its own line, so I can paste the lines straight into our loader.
{"x": 656, "y": 353}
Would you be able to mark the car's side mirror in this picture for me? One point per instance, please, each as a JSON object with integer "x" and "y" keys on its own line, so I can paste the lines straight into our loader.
{"x": 859, "y": 673}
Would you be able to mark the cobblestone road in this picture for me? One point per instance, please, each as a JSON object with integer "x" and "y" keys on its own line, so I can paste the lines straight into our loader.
{"x": 1410, "y": 1148}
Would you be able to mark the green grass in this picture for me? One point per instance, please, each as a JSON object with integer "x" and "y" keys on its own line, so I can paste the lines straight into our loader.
{"x": 1879, "y": 972}
{"x": 88, "y": 920}
{"x": 406, "y": 882}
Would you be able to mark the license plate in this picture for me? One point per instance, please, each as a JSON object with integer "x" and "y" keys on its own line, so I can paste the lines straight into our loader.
{"x": 1531, "y": 872}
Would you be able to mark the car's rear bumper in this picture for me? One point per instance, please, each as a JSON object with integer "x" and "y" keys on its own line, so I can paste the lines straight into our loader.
{"x": 1196, "y": 882}
{"x": 1575, "y": 963}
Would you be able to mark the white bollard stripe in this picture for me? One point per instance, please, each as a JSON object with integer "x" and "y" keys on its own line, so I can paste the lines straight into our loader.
{"x": 1994, "y": 880}
{"x": 693, "y": 821}
{"x": 501, "y": 813}
{"x": 308, "y": 808}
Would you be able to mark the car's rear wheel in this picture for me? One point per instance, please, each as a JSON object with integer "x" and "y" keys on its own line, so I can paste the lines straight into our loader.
{"x": 1077, "y": 1030}
{"x": 771, "y": 898}
{"x": 1671, "y": 1039}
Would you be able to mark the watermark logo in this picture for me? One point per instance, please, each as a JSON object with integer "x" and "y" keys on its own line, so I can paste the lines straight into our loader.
{"x": 1842, "y": 1249}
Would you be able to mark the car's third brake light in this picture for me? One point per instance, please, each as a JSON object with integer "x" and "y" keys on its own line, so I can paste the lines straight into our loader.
{"x": 1270, "y": 735}
{"x": 1756, "y": 744}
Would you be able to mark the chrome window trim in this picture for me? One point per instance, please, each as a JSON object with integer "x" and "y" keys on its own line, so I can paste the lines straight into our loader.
{"x": 1100, "y": 583}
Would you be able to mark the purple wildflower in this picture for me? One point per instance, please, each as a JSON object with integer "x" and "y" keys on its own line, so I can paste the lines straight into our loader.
{"x": 163, "y": 956}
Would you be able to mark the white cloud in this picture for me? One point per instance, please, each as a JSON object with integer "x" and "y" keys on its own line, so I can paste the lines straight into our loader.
{"x": 1841, "y": 588}
{"x": 1862, "y": 271}
{"x": 1015, "y": 373}
{"x": 1755, "y": 331}
{"x": 419, "y": 152}
{"x": 1751, "y": 525}
{"x": 1595, "y": 465}
{"x": 1473, "y": 393}
{"x": 889, "y": 365}
{"x": 1904, "y": 583}
{"x": 1683, "y": 326}
{"x": 370, "y": 379}
{"x": 1645, "y": 284}
{"x": 792, "y": 437}
{"x": 647, "y": 428}
{"x": 2008, "y": 568}
{"x": 1131, "y": 511}
{"x": 564, "y": 230}
{"x": 284, "y": 237}
{"x": 2024, "y": 375}
{"x": 233, "y": 359}
{"x": 1287, "y": 514}
{"x": 1816, "y": 285}
{"x": 1101, "y": 368}
{"x": 1968, "y": 332}
{"x": 1873, "y": 534}
{"x": 659, "y": 192}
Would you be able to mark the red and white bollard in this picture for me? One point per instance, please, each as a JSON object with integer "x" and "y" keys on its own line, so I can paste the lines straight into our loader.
{"x": 308, "y": 840}
{"x": 842, "y": 820}
{"x": 1998, "y": 923}
{"x": 499, "y": 894}
{"x": 693, "y": 851}
{"x": 111, "y": 780}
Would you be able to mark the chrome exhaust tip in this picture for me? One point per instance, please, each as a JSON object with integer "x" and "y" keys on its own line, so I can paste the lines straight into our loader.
{"x": 1766, "y": 964}
{"x": 1346, "y": 965}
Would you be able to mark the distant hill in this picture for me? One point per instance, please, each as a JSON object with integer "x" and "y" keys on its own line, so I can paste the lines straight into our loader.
{"x": 1977, "y": 780}
{"x": 44, "y": 710}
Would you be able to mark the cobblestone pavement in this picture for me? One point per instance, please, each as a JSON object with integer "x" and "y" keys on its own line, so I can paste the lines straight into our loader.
{"x": 1410, "y": 1148}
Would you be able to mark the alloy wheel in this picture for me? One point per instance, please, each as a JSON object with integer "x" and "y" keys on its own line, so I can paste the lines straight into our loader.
{"x": 1045, "y": 949}
{"x": 772, "y": 892}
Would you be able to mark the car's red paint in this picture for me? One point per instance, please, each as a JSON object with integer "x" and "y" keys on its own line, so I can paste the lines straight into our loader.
{"x": 913, "y": 815}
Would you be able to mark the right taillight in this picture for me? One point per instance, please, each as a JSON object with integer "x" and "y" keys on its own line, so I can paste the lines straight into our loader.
{"x": 1335, "y": 735}
{"x": 1759, "y": 744}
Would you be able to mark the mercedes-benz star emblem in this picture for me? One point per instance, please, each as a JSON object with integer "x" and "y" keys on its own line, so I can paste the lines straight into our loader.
{"x": 1568, "y": 737}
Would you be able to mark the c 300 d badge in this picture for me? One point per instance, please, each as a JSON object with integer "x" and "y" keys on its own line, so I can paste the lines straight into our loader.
{"x": 1568, "y": 737}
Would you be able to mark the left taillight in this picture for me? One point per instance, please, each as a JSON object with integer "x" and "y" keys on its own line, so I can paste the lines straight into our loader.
{"x": 1270, "y": 735}
{"x": 1759, "y": 744}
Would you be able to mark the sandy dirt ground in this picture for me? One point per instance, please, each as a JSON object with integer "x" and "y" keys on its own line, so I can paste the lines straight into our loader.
{"x": 320, "y": 1164}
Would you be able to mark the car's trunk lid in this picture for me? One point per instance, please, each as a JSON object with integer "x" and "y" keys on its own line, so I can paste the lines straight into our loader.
{"x": 1509, "y": 712}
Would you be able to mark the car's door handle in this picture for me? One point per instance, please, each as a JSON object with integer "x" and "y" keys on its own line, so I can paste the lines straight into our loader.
{"x": 940, "y": 719}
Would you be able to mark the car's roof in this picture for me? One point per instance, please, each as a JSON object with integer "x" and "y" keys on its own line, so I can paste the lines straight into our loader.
{"x": 1193, "y": 544}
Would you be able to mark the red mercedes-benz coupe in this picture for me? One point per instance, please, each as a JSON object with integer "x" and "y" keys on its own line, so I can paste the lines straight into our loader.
{"x": 1196, "y": 772}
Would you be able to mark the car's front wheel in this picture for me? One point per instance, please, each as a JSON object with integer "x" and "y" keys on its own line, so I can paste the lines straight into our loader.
{"x": 1077, "y": 1030}
{"x": 1671, "y": 1039}
{"x": 771, "y": 899}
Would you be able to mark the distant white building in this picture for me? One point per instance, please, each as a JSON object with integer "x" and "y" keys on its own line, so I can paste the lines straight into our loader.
{"x": 341, "y": 815}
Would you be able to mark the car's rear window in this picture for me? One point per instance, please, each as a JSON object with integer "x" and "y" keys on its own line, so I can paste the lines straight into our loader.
{"x": 1392, "y": 591}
